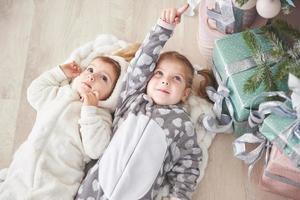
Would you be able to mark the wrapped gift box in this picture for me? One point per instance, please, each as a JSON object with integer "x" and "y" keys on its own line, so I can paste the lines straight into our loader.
{"x": 233, "y": 64}
{"x": 242, "y": 18}
{"x": 281, "y": 176}
{"x": 207, "y": 34}
{"x": 278, "y": 130}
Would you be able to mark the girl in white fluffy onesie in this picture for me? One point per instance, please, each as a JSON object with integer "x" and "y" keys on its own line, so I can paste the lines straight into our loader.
{"x": 70, "y": 130}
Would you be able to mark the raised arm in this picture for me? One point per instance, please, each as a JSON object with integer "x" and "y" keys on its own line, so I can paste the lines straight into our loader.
{"x": 46, "y": 86}
{"x": 144, "y": 62}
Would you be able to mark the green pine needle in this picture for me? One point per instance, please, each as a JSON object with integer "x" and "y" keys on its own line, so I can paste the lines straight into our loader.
{"x": 251, "y": 42}
{"x": 284, "y": 27}
{"x": 251, "y": 84}
{"x": 263, "y": 73}
{"x": 241, "y": 2}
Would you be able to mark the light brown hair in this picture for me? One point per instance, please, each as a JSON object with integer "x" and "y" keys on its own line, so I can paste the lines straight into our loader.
{"x": 208, "y": 78}
{"x": 183, "y": 60}
{"x": 115, "y": 64}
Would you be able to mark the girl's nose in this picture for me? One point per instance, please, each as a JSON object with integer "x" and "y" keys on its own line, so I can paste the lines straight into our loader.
{"x": 91, "y": 77}
{"x": 164, "y": 82}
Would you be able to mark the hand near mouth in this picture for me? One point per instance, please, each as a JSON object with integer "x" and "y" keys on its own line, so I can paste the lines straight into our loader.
{"x": 90, "y": 98}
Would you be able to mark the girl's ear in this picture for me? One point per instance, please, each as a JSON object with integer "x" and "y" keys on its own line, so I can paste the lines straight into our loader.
{"x": 186, "y": 94}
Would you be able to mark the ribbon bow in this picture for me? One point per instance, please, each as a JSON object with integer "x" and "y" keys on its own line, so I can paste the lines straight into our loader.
{"x": 256, "y": 118}
{"x": 250, "y": 158}
{"x": 222, "y": 122}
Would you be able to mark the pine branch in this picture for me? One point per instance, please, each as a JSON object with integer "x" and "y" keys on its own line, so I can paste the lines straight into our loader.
{"x": 278, "y": 50}
{"x": 263, "y": 73}
{"x": 283, "y": 26}
{"x": 269, "y": 84}
{"x": 290, "y": 63}
{"x": 253, "y": 82}
{"x": 251, "y": 42}
{"x": 241, "y": 2}
{"x": 282, "y": 69}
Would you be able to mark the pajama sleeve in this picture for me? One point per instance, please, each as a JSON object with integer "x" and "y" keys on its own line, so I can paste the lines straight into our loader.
{"x": 142, "y": 66}
{"x": 95, "y": 128}
{"x": 45, "y": 87}
{"x": 185, "y": 172}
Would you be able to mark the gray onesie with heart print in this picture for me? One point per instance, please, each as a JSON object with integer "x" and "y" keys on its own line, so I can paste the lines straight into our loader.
{"x": 153, "y": 146}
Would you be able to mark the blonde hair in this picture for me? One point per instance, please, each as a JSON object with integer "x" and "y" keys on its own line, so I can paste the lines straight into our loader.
{"x": 128, "y": 52}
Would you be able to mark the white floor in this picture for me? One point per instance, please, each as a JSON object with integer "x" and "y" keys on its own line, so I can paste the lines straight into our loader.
{"x": 37, "y": 35}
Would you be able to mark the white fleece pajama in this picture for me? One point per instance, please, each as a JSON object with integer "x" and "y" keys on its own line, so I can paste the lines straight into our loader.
{"x": 66, "y": 135}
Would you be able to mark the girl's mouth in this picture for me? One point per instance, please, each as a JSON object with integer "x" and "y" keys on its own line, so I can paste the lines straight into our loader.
{"x": 164, "y": 91}
{"x": 87, "y": 85}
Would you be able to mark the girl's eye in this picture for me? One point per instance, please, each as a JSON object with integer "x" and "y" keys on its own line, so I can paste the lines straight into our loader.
{"x": 177, "y": 78}
{"x": 89, "y": 69}
{"x": 104, "y": 78}
{"x": 159, "y": 73}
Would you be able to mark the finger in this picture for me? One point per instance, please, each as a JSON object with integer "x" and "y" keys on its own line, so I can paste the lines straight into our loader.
{"x": 83, "y": 97}
{"x": 163, "y": 15}
{"x": 97, "y": 94}
{"x": 73, "y": 64}
{"x": 172, "y": 15}
{"x": 76, "y": 68}
{"x": 182, "y": 9}
{"x": 177, "y": 20}
{"x": 93, "y": 95}
{"x": 167, "y": 15}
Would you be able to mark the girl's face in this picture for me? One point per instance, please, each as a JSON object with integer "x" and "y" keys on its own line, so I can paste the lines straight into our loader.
{"x": 99, "y": 77}
{"x": 168, "y": 85}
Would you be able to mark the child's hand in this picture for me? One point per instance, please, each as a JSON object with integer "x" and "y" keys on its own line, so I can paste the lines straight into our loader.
{"x": 173, "y": 15}
{"x": 90, "y": 99}
{"x": 71, "y": 70}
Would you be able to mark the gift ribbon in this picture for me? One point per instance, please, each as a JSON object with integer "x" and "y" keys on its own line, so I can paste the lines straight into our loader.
{"x": 290, "y": 2}
{"x": 282, "y": 179}
{"x": 256, "y": 118}
{"x": 250, "y": 158}
{"x": 246, "y": 64}
{"x": 222, "y": 14}
{"x": 222, "y": 122}
{"x": 193, "y": 4}
{"x": 237, "y": 15}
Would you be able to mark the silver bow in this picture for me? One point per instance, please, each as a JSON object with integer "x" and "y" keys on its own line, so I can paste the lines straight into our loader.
{"x": 257, "y": 117}
{"x": 250, "y": 158}
{"x": 223, "y": 122}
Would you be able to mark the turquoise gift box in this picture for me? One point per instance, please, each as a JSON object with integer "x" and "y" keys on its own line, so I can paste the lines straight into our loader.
{"x": 277, "y": 130}
{"x": 233, "y": 64}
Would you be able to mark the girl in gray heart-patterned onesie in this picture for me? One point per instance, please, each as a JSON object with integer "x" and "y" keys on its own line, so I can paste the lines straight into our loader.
{"x": 154, "y": 143}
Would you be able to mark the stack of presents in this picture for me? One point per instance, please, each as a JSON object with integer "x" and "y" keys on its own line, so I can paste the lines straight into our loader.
{"x": 256, "y": 62}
